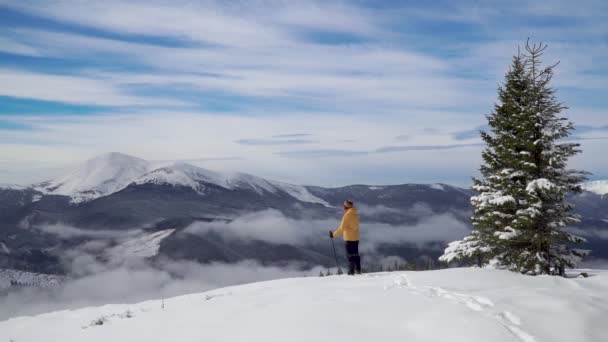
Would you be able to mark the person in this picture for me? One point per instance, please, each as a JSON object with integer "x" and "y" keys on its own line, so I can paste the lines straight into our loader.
{"x": 349, "y": 228}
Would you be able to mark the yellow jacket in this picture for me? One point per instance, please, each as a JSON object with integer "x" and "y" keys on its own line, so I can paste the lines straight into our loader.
{"x": 349, "y": 226}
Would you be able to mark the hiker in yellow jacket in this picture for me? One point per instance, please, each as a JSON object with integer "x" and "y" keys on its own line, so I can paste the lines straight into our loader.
{"x": 349, "y": 227}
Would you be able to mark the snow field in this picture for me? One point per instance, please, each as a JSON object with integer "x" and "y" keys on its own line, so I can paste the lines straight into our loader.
{"x": 448, "y": 305}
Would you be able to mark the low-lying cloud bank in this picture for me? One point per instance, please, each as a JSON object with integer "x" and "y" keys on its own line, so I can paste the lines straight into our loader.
{"x": 138, "y": 281}
{"x": 65, "y": 231}
{"x": 273, "y": 227}
{"x": 129, "y": 280}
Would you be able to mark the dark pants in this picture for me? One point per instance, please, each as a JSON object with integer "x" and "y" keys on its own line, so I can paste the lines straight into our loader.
{"x": 354, "y": 259}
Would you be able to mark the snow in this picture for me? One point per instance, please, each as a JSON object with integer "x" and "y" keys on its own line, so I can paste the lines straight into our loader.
{"x": 191, "y": 176}
{"x": 599, "y": 187}
{"x": 112, "y": 172}
{"x": 246, "y": 181}
{"x": 4, "y": 186}
{"x": 144, "y": 246}
{"x": 97, "y": 177}
{"x": 500, "y": 200}
{"x": 492, "y": 198}
{"x": 508, "y": 233}
{"x": 181, "y": 175}
{"x": 456, "y": 305}
{"x": 539, "y": 184}
{"x": 300, "y": 193}
{"x": 438, "y": 187}
{"x": 4, "y": 248}
{"x": 375, "y": 188}
{"x": 465, "y": 248}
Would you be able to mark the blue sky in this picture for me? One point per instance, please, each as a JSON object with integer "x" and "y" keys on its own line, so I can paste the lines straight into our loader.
{"x": 312, "y": 92}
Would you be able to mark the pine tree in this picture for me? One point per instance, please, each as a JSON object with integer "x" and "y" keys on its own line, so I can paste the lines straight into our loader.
{"x": 520, "y": 209}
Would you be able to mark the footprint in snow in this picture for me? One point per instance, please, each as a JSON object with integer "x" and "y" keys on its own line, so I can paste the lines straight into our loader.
{"x": 476, "y": 303}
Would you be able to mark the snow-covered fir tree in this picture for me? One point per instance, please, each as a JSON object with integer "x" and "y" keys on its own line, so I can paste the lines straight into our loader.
{"x": 519, "y": 207}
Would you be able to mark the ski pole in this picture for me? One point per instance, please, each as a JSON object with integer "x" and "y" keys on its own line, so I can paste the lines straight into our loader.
{"x": 335, "y": 255}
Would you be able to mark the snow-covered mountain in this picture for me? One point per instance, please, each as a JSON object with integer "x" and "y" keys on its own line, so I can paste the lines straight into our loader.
{"x": 115, "y": 192}
{"x": 113, "y": 172}
{"x": 599, "y": 187}
{"x": 196, "y": 178}
{"x": 97, "y": 177}
{"x": 457, "y": 305}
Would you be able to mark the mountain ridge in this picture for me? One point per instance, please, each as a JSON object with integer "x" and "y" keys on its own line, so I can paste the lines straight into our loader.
{"x": 177, "y": 195}
{"x": 112, "y": 172}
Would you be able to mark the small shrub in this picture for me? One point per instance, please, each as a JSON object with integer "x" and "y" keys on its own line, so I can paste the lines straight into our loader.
{"x": 99, "y": 321}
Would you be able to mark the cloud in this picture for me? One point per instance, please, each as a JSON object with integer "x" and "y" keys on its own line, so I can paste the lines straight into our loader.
{"x": 99, "y": 284}
{"x": 66, "y": 232}
{"x": 293, "y": 135}
{"x": 92, "y": 282}
{"x": 287, "y": 64}
{"x": 270, "y": 226}
{"x": 273, "y": 227}
{"x": 320, "y": 153}
{"x": 300, "y": 71}
{"x": 324, "y": 153}
{"x": 423, "y": 148}
{"x": 70, "y": 89}
{"x": 419, "y": 209}
{"x": 579, "y": 129}
{"x": 582, "y": 129}
{"x": 470, "y": 133}
{"x": 205, "y": 159}
{"x": 210, "y": 137}
{"x": 271, "y": 142}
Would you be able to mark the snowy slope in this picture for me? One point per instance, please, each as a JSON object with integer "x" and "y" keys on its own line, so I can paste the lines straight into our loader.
{"x": 181, "y": 175}
{"x": 457, "y": 305}
{"x": 300, "y": 193}
{"x": 97, "y": 177}
{"x": 145, "y": 246}
{"x": 194, "y": 177}
{"x": 598, "y": 187}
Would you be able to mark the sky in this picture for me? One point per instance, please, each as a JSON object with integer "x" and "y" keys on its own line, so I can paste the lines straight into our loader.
{"x": 310, "y": 92}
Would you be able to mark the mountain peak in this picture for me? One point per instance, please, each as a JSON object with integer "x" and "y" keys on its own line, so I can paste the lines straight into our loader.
{"x": 111, "y": 172}
{"x": 99, "y": 176}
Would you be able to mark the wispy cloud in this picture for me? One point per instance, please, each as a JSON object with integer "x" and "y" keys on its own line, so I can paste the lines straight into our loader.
{"x": 324, "y": 153}
{"x": 71, "y": 89}
{"x": 272, "y": 226}
{"x": 345, "y": 73}
{"x": 470, "y": 133}
{"x": 293, "y": 135}
{"x": 272, "y": 142}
